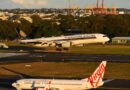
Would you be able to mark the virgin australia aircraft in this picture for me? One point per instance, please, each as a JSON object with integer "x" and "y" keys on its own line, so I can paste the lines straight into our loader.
{"x": 94, "y": 81}
{"x": 66, "y": 41}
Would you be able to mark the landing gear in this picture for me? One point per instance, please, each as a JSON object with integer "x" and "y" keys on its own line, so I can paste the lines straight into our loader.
{"x": 58, "y": 49}
{"x": 66, "y": 49}
{"x": 103, "y": 44}
{"x": 62, "y": 49}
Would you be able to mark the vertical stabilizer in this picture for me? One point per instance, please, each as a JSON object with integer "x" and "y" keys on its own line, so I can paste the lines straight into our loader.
{"x": 96, "y": 79}
{"x": 21, "y": 33}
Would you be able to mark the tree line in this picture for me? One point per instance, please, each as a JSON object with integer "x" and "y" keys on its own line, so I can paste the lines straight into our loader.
{"x": 111, "y": 25}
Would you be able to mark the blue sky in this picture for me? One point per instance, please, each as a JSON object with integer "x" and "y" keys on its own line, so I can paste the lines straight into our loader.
{"x": 9, "y": 4}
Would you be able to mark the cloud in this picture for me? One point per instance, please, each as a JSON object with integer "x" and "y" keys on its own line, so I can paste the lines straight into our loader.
{"x": 31, "y": 3}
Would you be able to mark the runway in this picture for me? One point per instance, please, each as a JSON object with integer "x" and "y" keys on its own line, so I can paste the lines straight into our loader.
{"x": 6, "y": 89}
{"x": 61, "y": 57}
{"x": 2, "y": 55}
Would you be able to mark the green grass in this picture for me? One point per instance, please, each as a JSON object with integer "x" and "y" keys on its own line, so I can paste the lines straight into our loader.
{"x": 88, "y": 49}
{"x": 99, "y": 49}
{"x": 68, "y": 70}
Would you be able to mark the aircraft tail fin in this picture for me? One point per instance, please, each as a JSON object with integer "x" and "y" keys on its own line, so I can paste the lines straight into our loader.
{"x": 21, "y": 33}
{"x": 96, "y": 79}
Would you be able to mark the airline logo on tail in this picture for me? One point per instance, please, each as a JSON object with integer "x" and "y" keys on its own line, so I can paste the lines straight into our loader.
{"x": 95, "y": 79}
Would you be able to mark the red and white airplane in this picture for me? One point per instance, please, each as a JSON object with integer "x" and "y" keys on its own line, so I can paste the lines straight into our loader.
{"x": 94, "y": 81}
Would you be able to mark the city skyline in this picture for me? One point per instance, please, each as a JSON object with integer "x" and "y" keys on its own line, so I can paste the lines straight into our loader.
{"x": 11, "y": 4}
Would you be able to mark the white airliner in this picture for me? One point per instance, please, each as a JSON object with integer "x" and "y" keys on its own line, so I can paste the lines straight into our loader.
{"x": 94, "y": 81}
{"x": 67, "y": 41}
{"x": 3, "y": 45}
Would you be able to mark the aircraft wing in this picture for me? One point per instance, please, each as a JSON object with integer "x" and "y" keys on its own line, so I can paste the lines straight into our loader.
{"x": 30, "y": 41}
{"x": 36, "y": 41}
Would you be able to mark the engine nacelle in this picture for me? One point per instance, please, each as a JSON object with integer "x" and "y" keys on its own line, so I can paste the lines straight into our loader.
{"x": 41, "y": 89}
{"x": 45, "y": 44}
{"x": 64, "y": 45}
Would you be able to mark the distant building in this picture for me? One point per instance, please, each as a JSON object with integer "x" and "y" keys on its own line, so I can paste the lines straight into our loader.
{"x": 121, "y": 40}
{"x": 1, "y": 14}
{"x": 4, "y": 18}
{"x": 121, "y": 12}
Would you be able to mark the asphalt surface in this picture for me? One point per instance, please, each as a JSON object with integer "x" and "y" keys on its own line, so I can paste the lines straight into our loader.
{"x": 61, "y": 57}
{"x": 6, "y": 89}
{"x": 66, "y": 57}
{"x": 2, "y": 55}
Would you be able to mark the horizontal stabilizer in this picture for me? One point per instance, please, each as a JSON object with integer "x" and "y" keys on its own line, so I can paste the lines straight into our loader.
{"x": 106, "y": 81}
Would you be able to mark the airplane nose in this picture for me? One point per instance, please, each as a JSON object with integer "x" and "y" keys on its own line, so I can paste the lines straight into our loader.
{"x": 14, "y": 84}
{"x": 108, "y": 39}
